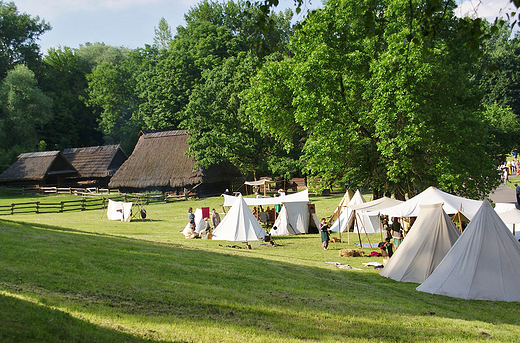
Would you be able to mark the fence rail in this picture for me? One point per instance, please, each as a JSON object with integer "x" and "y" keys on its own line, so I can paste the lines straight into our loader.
{"x": 89, "y": 201}
{"x": 56, "y": 207}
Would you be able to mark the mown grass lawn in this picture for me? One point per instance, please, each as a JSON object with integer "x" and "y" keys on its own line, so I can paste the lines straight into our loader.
{"x": 77, "y": 277}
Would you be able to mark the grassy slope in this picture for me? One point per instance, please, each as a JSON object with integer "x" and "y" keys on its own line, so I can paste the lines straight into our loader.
{"x": 77, "y": 277}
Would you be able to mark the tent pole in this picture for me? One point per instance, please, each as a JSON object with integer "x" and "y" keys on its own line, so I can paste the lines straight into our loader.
{"x": 380, "y": 225}
{"x": 359, "y": 234}
{"x": 364, "y": 229}
{"x": 460, "y": 222}
{"x": 339, "y": 225}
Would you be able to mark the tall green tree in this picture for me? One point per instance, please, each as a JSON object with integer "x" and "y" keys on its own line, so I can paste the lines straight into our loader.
{"x": 19, "y": 33}
{"x": 375, "y": 116}
{"x": 163, "y": 34}
{"x": 25, "y": 109}
{"x": 64, "y": 80}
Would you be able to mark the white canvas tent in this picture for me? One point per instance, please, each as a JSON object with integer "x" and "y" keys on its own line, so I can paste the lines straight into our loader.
{"x": 432, "y": 195}
{"x": 293, "y": 219}
{"x": 365, "y": 223}
{"x": 483, "y": 264}
{"x": 239, "y": 224}
{"x": 282, "y": 226}
{"x": 199, "y": 222}
{"x": 432, "y": 236}
{"x": 118, "y": 210}
{"x": 510, "y": 215}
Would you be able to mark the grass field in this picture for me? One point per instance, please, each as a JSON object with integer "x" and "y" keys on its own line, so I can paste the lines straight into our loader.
{"x": 78, "y": 277}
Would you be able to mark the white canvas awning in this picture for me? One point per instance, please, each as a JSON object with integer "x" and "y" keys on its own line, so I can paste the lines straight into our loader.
{"x": 229, "y": 200}
{"x": 259, "y": 182}
{"x": 375, "y": 205}
{"x": 451, "y": 204}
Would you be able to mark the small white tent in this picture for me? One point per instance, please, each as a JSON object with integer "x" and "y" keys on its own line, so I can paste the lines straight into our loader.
{"x": 199, "y": 222}
{"x": 431, "y": 237}
{"x": 293, "y": 219}
{"x": 347, "y": 217}
{"x": 282, "y": 226}
{"x": 118, "y": 210}
{"x": 239, "y": 224}
{"x": 483, "y": 264}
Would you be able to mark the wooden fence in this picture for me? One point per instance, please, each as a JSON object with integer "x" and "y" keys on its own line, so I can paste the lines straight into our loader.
{"x": 83, "y": 204}
{"x": 54, "y": 207}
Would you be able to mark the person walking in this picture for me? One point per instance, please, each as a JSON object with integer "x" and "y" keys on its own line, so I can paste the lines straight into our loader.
{"x": 325, "y": 234}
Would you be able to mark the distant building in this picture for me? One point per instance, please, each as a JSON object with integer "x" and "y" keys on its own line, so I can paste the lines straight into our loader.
{"x": 159, "y": 162}
{"x": 46, "y": 168}
{"x": 96, "y": 165}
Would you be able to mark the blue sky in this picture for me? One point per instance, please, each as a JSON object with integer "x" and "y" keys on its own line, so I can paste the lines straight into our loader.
{"x": 131, "y": 23}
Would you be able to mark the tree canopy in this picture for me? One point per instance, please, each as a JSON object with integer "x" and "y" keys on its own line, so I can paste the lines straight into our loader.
{"x": 374, "y": 116}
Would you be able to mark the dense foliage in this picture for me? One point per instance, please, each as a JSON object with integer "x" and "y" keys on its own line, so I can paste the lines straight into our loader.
{"x": 354, "y": 93}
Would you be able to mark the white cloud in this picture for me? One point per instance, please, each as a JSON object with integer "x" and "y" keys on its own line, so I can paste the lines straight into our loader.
{"x": 489, "y": 9}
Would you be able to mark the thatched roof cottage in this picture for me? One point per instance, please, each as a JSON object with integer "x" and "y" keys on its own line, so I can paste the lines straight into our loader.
{"x": 46, "y": 168}
{"x": 97, "y": 164}
{"x": 158, "y": 162}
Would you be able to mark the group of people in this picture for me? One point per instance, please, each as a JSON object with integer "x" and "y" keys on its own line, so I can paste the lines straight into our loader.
{"x": 209, "y": 225}
{"x": 509, "y": 168}
{"x": 394, "y": 234}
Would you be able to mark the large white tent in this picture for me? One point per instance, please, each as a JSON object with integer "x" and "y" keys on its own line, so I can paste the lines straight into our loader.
{"x": 483, "y": 264}
{"x": 432, "y": 195}
{"x": 239, "y": 224}
{"x": 431, "y": 237}
{"x": 365, "y": 223}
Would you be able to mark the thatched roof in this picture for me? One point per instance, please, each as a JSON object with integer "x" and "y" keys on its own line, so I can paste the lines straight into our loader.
{"x": 96, "y": 161}
{"x": 159, "y": 161}
{"x": 37, "y": 166}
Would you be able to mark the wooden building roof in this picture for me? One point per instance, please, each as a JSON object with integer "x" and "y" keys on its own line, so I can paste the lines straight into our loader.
{"x": 96, "y": 161}
{"x": 159, "y": 161}
{"x": 38, "y": 166}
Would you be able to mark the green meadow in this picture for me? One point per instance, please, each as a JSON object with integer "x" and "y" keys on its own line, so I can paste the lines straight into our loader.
{"x": 78, "y": 277}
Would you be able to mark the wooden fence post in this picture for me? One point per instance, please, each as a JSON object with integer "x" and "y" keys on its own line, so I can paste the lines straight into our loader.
{"x": 62, "y": 206}
{"x": 83, "y": 204}
{"x": 12, "y": 208}
{"x": 37, "y": 207}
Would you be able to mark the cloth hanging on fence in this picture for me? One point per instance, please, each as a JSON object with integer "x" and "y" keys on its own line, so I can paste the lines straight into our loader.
{"x": 118, "y": 210}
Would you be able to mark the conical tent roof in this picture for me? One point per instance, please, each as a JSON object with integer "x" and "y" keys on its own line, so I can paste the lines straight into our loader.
{"x": 282, "y": 224}
{"x": 346, "y": 216}
{"x": 431, "y": 237}
{"x": 349, "y": 194}
{"x": 483, "y": 264}
{"x": 239, "y": 224}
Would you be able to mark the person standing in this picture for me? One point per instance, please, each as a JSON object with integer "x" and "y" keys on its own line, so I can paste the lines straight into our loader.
{"x": 215, "y": 219}
{"x": 191, "y": 216}
{"x": 397, "y": 232}
{"x": 517, "y": 194}
{"x": 325, "y": 234}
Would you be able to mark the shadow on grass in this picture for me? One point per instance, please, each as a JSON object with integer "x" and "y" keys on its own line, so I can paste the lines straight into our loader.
{"x": 23, "y": 321}
{"x": 186, "y": 287}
